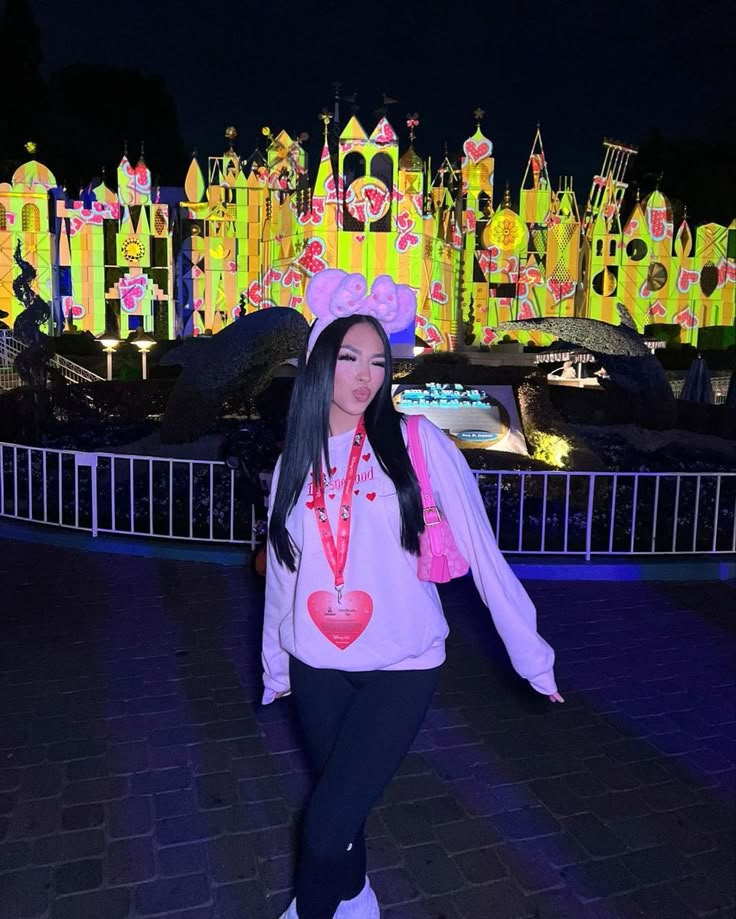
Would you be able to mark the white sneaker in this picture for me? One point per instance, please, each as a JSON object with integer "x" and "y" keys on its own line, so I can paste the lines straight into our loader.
{"x": 364, "y": 906}
{"x": 290, "y": 912}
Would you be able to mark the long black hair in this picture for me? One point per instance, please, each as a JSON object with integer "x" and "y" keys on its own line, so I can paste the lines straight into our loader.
{"x": 307, "y": 433}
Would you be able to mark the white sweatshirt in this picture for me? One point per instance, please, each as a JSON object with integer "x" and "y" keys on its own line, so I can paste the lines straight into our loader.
{"x": 406, "y": 628}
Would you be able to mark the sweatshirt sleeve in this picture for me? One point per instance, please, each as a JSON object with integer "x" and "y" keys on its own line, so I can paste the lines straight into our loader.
{"x": 456, "y": 493}
{"x": 279, "y": 602}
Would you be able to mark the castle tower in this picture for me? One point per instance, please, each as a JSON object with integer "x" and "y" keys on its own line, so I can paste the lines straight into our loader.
{"x": 708, "y": 281}
{"x": 535, "y": 197}
{"x": 641, "y": 282}
{"x": 24, "y": 218}
{"x": 608, "y": 186}
{"x": 85, "y": 238}
{"x": 505, "y": 238}
{"x": 474, "y": 201}
{"x": 134, "y": 183}
{"x": 535, "y": 207}
{"x": 367, "y": 169}
{"x": 604, "y": 257}
{"x": 563, "y": 259}
{"x": 138, "y": 259}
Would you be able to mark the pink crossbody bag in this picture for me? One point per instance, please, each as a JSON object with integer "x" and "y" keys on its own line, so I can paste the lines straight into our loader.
{"x": 439, "y": 557}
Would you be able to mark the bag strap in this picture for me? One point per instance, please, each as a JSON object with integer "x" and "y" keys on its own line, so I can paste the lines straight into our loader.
{"x": 417, "y": 457}
{"x": 430, "y": 510}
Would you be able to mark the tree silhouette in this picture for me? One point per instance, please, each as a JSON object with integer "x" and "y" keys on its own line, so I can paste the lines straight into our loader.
{"x": 24, "y": 110}
{"x": 692, "y": 171}
{"x": 81, "y": 116}
{"x": 97, "y": 110}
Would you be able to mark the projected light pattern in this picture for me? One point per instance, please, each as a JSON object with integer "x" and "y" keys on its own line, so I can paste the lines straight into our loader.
{"x": 249, "y": 235}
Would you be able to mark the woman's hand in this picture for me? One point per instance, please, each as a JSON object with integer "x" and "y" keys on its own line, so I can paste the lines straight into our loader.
{"x": 555, "y": 697}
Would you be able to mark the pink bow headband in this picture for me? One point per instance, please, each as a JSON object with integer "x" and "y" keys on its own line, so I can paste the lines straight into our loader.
{"x": 333, "y": 294}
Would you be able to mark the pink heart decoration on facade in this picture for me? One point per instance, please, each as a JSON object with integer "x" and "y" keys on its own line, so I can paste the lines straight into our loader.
{"x": 560, "y": 290}
{"x": 686, "y": 318}
{"x": 526, "y": 311}
{"x": 255, "y": 293}
{"x": 311, "y": 259}
{"x": 476, "y": 152}
{"x": 657, "y": 220}
{"x": 271, "y": 276}
{"x": 384, "y": 133}
{"x": 686, "y": 279}
{"x": 292, "y": 278}
{"x": 437, "y": 293}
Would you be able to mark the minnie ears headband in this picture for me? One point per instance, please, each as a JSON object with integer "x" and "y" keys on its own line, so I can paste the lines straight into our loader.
{"x": 333, "y": 294}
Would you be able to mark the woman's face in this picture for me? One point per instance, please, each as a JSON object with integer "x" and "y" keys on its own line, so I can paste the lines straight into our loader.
{"x": 359, "y": 373}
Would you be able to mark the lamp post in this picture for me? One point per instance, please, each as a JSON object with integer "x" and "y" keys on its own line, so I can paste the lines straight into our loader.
{"x": 109, "y": 341}
{"x": 143, "y": 342}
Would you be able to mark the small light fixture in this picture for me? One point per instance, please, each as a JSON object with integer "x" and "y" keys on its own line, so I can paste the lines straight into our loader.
{"x": 109, "y": 341}
{"x": 143, "y": 342}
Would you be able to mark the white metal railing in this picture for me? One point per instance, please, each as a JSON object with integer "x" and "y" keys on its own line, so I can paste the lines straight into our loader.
{"x": 549, "y": 513}
{"x": 718, "y": 385}
{"x": 9, "y": 379}
{"x": 10, "y": 348}
{"x": 611, "y": 513}
{"x": 125, "y": 495}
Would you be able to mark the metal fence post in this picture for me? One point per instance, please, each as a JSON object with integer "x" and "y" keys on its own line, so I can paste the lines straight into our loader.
{"x": 90, "y": 461}
{"x": 589, "y": 515}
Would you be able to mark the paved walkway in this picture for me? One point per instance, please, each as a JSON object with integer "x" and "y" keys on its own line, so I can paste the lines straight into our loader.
{"x": 139, "y": 776}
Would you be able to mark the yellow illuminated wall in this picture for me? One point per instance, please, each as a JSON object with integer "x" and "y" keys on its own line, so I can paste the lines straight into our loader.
{"x": 249, "y": 237}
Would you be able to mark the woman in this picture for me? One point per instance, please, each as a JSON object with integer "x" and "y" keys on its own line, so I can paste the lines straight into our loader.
{"x": 349, "y": 628}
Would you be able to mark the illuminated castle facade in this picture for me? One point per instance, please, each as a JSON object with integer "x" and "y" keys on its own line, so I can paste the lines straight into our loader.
{"x": 251, "y": 233}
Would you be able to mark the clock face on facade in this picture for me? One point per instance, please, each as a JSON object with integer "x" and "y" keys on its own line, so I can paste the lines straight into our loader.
{"x": 132, "y": 250}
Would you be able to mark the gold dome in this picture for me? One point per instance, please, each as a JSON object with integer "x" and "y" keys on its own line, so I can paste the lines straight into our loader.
{"x": 411, "y": 161}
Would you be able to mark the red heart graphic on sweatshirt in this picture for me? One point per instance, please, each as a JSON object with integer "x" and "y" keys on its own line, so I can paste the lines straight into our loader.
{"x": 371, "y": 496}
{"x": 341, "y": 623}
{"x": 357, "y": 491}
{"x": 333, "y": 470}
{"x": 366, "y": 456}
{"x": 310, "y": 505}
{"x": 331, "y": 496}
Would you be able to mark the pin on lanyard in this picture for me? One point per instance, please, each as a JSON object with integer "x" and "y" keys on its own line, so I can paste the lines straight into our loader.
{"x": 336, "y": 550}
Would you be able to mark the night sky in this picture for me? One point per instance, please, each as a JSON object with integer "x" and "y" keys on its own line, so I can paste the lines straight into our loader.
{"x": 584, "y": 70}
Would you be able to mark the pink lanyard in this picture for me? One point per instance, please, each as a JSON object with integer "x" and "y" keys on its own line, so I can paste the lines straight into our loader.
{"x": 336, "y": 552}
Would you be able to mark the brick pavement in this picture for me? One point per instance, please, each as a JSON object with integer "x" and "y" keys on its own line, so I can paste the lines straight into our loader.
{"x": 139, "y": 776}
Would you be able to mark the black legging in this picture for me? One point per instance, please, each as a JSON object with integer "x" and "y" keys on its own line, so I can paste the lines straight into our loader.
{"x": 358, "y": 727}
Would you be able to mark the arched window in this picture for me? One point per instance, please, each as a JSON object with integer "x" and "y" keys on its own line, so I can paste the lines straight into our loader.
{"x": 599, "y": 247}
{"x": 353, "y": 167}
{"x": 382, "y": 168}
{"x": 30, "y": 219}
{"x": 3, "y": 218}
{"x": 611, "y": 247}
